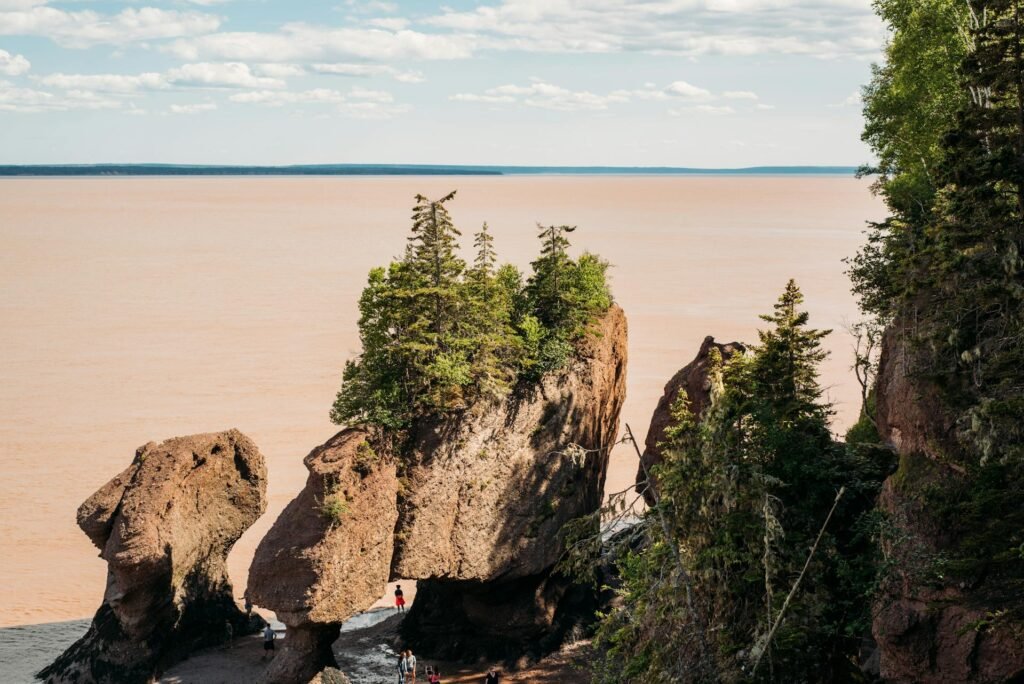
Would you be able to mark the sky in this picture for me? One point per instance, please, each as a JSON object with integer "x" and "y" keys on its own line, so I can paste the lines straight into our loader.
{"x": 699, "y": 83}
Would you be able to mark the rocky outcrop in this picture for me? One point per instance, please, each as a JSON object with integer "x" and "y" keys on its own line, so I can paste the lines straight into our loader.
{"x": 928, "y": 629}
{"x": 328, "y": 555}
{"x": 488, "y": 495}
{"x": 693, "y": 380}
{"x": 473, "y": 507}
{"x": 165, "y": 526}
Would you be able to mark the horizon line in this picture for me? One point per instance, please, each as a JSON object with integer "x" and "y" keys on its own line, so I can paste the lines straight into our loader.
{"x": 158, "y": 169}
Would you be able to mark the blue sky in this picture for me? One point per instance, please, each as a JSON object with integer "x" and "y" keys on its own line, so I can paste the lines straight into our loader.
{"x": 714, "y": 83}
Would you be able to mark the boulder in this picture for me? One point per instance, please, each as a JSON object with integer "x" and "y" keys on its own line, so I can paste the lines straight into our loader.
{"x": 693, "y": 380}
{"x": 165, "y": 526}
{"x": 328, "y": 555}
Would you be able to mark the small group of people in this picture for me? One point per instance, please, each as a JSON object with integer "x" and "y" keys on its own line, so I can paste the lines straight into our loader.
{"x": 407, "y": 668}
{"x": 407, "y": 671}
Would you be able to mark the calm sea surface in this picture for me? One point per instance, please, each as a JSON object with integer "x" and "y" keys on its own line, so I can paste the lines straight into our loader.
{"x": 137, "y": 309}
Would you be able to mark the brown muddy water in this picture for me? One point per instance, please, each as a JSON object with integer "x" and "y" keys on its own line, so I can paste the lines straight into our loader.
{"x": 137, "y": 309}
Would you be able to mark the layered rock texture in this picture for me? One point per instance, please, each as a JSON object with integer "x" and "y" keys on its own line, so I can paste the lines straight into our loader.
{"x": 472, "y": 506}
{"x": 692, "y": 379}
{"x": 165, "y": 526}
{"x": 928, "y": 629}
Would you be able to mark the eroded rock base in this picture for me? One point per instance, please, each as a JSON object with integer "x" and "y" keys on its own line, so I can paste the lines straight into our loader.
{"x": 303, "y": 655}
{"x": 496, "y": 621}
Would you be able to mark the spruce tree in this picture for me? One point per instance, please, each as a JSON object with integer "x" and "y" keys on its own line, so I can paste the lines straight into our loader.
{"x": 547, "y": 286}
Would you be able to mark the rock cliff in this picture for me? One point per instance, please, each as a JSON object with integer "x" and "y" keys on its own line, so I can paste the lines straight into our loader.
{"x": 929, "y": 629}
{"x": 471, "y": 505}
{"x": 328, "y": 555}
{"x": 693, "y": 380}
{"x": 165, "y": 526}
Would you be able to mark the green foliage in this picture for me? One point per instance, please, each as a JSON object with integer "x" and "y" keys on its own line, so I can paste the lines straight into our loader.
{"x": 909, "y": 106}
{"x": 946, "y": 116}
{"x": 743, "y": 493}
{"x": 438, "y": 335}
{"x": 334, "y": 506}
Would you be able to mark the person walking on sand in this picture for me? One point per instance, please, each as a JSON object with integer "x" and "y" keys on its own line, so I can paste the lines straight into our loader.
{"x": 492, "y": 677}
{"x": 248, "y": 606}
{"x": 268, "y": 642}
{"x": 399, "y": 599}
{"x": 410, "y": 669}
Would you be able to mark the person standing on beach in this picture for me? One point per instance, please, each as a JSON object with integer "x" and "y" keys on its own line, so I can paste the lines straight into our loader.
{"x": 410, "y": 669}
{"x": 399, "y": 599}
{"x": 268, "y": 641}
{"x": 492, "y": 677}
{"x": 402, "y": 668}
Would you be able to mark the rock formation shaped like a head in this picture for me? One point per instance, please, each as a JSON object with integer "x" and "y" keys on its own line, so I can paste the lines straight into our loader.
{"x": 165, "y": 526}
{"x": 473, "y": 504}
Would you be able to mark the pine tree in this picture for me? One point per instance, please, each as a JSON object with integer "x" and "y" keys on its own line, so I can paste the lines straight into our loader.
{"x": 789, "y": 355}
{"x": 743, "y": 494}
{"x": 546, "y": 287}
{"x": 486, "y": 256}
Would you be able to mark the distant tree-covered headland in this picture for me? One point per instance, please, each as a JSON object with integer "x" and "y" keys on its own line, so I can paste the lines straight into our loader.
{"x": 439, "y": 333}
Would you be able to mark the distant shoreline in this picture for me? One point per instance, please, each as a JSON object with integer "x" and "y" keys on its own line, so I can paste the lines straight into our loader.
{"x": 103, "y": 170}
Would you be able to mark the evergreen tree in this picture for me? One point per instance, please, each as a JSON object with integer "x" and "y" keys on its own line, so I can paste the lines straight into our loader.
{"x": 742, "y": 496}
{"x": 486, "y": 256}
{"x": 788, "y": 357}
{"x": 546, "y": 287}
{"x": 437, "y": 336}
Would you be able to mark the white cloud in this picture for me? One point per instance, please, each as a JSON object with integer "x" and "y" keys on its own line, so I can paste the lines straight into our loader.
{"x": 357, "y": 103}
{"x": 688, "y": 91}
{"x": 851, "y": 100}
{"x": 298, "y": 42}
{"x": 366, "y": 70}
{"x": 703, "y": 109}
{"x": 378, "y": 96}
{"x": 108, "y": 83}
{"x": 193, "y": 108}
{"x": 13, "y": 65}
{"x": 821, "y": 28}
{"x": 197, "y": 75}
{"x": 276, "y": 98}
{"x": 544, "y": 96}
{"x": 370, "y": 6}
{"x": 392, "y": 23}
{"x": 15, "y": 99}
{"x": 715, "y": 109}
{"x": 764, "y": 107}
{"x": 220, "y": 75}
{"x": 19, "y": 4}
{"x": 487, "y": 99}
{"x": 85, "y": 28}
{"x": 279, "y": 70}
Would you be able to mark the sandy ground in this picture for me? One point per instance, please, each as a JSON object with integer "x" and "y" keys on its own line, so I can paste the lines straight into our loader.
{"x": 366, "y": 655}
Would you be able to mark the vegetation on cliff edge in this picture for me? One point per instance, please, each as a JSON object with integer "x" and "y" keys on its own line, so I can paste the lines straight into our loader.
{"x": 438, "y": 333}
{"x": 743, "y": 494}
{"x": 947, "y": 268}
